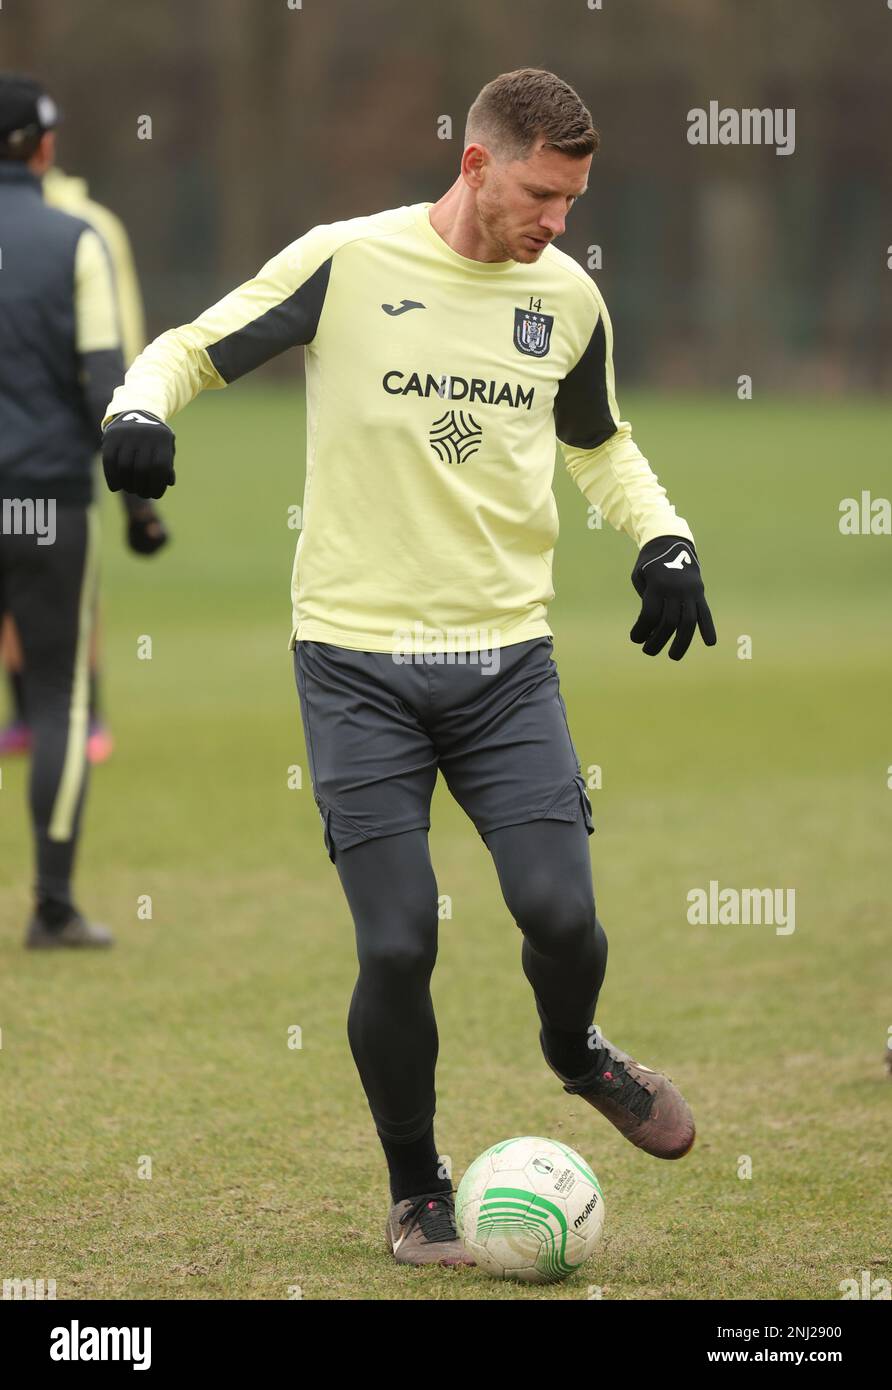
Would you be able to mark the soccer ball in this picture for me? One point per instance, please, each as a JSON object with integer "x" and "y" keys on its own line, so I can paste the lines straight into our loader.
{"x": 529, "y": 1209}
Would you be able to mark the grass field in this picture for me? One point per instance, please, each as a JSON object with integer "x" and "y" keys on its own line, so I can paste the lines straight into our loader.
{"x": 266, "y": 1173}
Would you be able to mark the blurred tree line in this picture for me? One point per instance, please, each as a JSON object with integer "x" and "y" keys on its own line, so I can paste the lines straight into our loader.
{"x": 269, "y": 116}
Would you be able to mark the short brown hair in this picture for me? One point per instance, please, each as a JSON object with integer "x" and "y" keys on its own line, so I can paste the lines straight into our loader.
{"x": 516, "y": 108}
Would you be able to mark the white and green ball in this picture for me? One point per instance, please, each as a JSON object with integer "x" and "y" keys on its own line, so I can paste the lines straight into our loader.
{"x": 530, "y": 1209}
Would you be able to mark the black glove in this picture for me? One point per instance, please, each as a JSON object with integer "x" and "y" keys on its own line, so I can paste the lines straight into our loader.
{"x": 667, "y": 577}
{"x": 137, "y": 454}
{"x": 146, "y": 532}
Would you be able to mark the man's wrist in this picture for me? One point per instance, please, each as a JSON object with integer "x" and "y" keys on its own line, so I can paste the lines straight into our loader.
{"x": 672, "y": 529}
{"x": 134, "y": 506}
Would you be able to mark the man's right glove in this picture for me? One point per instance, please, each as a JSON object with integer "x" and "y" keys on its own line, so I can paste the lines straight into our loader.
{"x": 667, "y": 580}
{"x": 146, "y": 532}
{"x": 137, "y": 454}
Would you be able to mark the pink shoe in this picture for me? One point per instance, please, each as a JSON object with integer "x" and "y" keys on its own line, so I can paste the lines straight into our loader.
{"x": 15, "y": 738}
{"x": 99, "y": 743}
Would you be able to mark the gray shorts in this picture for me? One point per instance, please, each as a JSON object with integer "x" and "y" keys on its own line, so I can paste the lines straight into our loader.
{"x": 377, "y": 731}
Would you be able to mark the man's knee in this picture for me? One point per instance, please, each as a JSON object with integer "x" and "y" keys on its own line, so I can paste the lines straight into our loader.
{"x": 401, "y": 957}
{"x": 553, "y": 913}
{"x": 398, "y": 937}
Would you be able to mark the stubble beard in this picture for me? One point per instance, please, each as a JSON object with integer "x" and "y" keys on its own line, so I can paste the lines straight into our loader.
{"x": 492, "y": 221}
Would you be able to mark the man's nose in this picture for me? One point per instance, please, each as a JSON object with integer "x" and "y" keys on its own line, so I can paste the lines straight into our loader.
{"x": 553, "y": 222}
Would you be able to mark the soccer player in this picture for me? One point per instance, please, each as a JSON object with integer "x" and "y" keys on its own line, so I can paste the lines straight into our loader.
{"x": 60, "y": 358}
{"x": 447, "y": 345}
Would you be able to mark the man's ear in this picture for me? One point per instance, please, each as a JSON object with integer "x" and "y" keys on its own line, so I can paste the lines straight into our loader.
{"x": 44, "y": 157}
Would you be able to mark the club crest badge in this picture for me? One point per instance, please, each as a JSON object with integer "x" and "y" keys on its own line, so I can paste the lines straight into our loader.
{"x": 532, "y": 332}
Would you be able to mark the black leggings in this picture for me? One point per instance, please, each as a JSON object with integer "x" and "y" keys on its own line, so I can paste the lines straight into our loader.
{"x": 544, "y": 871}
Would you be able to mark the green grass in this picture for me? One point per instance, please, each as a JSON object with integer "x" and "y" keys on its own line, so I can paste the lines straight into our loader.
{"x": 266, "y": 1171}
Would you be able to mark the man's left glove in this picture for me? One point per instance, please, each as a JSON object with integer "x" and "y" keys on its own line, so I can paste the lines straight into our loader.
{"x": 137, "y": 454}
{"x": 667, "y": 578}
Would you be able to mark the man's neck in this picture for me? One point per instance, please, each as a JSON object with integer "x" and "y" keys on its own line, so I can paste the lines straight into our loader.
{"x": 453, "y": 219}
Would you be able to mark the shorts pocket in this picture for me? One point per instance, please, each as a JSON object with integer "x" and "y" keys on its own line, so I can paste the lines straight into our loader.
{"x": 325, "y": 815}
{"x": 586, "y": 804}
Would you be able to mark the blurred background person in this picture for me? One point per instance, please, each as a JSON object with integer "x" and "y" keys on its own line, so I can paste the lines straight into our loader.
{"x": 144, "y": 530}
{"x": 60, "y": 354}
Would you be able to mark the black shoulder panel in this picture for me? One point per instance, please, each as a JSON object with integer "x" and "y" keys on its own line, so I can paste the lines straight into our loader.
{"x": 582, "y": 416}
{"x": 289, "y": 324}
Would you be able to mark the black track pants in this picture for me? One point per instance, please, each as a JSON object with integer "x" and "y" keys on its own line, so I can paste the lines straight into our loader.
{"x": 49, "y": 589}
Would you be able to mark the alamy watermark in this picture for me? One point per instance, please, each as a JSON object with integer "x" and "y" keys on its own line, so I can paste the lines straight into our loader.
{"x": 865, "y": 515}
{"x": 29, "y": 516}
{"x": 451, "y": 646}
{"x": 719, "y": 907}
{"x": 15, "y": 1290}
{"x": 726, "y": 125}
{"x": 77, "y": 1343}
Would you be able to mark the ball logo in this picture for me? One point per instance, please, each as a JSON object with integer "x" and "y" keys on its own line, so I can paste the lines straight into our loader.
{"x": 586, "y": 1211}
{"x": 543, "y": 1165}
